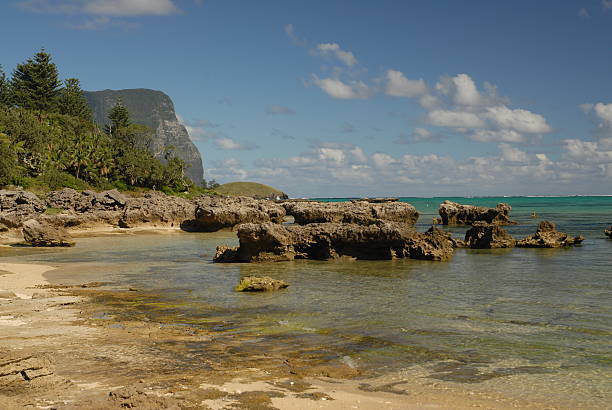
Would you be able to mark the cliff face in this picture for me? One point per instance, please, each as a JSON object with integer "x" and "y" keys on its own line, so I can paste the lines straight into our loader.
{"x": 155, "y": 110}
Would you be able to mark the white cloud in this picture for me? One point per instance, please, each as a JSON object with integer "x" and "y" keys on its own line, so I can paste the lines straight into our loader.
{"x": 232, "y": 145}
{"x": 455, "y": 119}
{"x": 588, "y": 151}
{"x": 102, "y": 7}
{"x": 334, "y": 50}
{"x": 466, "y": 91}
{"x": 400, "y": 86}
{"x": 503, "y": 135}
{"x": 337, "y": 89}
{"x": 512, "y": 154}
{"x": 518, "y": 119}
{"x": 358, "y": 155}
{"x": 604, "y": 112}
{"x": 279, "y": 110}
{"x": 290, "y": 31}
{"x": 382, "y": 160}
{"x": 333, "y": 155}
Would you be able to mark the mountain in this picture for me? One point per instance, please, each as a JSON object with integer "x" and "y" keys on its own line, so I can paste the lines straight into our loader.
{"x": 155, "y": 110}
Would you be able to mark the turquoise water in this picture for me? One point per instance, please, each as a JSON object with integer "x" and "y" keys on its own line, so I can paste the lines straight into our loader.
{"x": 537, "y": 320}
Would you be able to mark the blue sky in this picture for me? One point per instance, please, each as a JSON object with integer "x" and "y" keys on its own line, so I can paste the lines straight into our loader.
{"x": 339, "y": 98}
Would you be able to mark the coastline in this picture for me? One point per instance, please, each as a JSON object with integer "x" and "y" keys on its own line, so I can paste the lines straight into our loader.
{"x": 93, "y": 355}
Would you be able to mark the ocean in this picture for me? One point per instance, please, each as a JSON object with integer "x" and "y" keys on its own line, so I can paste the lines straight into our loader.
{"x": 535, "y": 322}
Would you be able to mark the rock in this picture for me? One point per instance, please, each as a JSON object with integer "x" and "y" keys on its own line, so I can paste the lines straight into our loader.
{"x": 214, "y": 213}
{"x": 354, "y": 212}
{"x": 547, "y": 236}
{"x": 6, "y": 294}
{"x": 18, "y": 206}
{"x": 20, "y": 372}
{"x": 483, "y": 235}
{"x": 260, "y": 284}
{"x": 45, "y": 235}
{"x": 608, "y": 232}
{"x": 3, "y": 228}
{"x": 323, "y": 241}
{"x": 86, "y": 201}
{"x": 157, "y": 209}
{"x": 452, "y": 213}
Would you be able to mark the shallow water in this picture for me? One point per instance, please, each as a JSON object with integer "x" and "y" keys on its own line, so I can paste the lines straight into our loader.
{"x": 539, "y": 318}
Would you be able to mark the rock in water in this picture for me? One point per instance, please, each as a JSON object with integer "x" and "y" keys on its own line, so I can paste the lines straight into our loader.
{"x": 486, "y": 236}
{"x": 452, "y": 213}
{"x": 155, "y": 110}
{"x": 214, "y": 213}
{"x": 275, "y": 242}
{"x": 608, "y": 232}
{"x": 547, "y": 236}
{"x": 44, "y": 235}
{"x": 354, "y": 212}
{"x": 260, "y": 284}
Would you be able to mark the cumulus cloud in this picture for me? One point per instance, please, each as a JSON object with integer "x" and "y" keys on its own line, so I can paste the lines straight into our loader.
{"x": 334, "y": 50}
{"x": 518, "y": 119}
{"x": 512, "y": 154}
{"x": 455, "y": 119}
{"x": 230, "y": 144}
{"x": 102, "y": 7}
{"x": 279, "y": 110}
{"x": 504, "y": 135}
{"x": 400, "y": 86}
{"x": 345, "y": 91}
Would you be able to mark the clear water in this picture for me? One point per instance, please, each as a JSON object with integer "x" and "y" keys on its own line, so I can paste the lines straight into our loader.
{"x": 526, "y": 319}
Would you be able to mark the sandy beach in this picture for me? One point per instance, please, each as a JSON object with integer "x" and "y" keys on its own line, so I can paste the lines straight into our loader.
{"x": 60, "y": 347}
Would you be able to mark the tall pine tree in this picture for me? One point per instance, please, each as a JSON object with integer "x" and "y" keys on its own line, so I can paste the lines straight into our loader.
{"x": 72, "y": 100}
{"x": 119, "y": 120}
{"x": 5, "y": 89}
{"x": 35, "y": 83}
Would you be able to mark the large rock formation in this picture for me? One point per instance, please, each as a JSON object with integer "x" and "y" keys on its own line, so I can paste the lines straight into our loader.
{"x": 322, "y": 241}
{"x": 354, "y": 212}
{"x": 214, "y": 213}
{"x": 42, "y": 234}
{"x": 18, "y": 206}
{"x": 547, "y": 236}
{"x": 158, "y": 209}
{"x": 155, "y": 110}
{"x": 452, "y": 213}
{"x": 486, "y": 236}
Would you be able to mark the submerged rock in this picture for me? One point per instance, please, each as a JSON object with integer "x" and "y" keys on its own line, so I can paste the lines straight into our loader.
{"x": 323, "y": 241}
{"x": 362, "y": 212}
{"x": 260, "y": 284}
{"x": 547, "y": 236}
{"x": 452, "y": 213}
{"x": 44, "y": 235}
{"x": 215, "y": 213}
{"x": 483, "y": 235}
{"x": 608, "y": 232}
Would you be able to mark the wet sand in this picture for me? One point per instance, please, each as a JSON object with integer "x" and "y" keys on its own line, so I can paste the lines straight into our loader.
{"x": 69, "y": 347}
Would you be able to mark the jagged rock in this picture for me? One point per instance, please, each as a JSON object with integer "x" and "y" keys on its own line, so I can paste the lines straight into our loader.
{"x": 3, "y": 228}
{"x": 214, "y": 213}
{"x": 608, "y": 232}
{"x": 155, "y": 110}
{"x": 45, "y": 235}
{"x": 452, "y": 213}
{"x": 355, "y": 212}
{"x": 18, "y": 206}
{"x": 20, "y": 373}
{"x": 260, "y": 284}
{"x": 322, "y": 241}
{"x": 547, "y": 236}
{"x": 157, "y": 209}
{"x": 86, "y": 201}
{"x": 483, "y": 235}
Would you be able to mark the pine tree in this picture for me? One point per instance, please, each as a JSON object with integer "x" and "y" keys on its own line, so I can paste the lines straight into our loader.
{"x": 72, "y": 100}
{"x": 35, "y": 83}
{"x": 119, "y": 118}
{"x": 5, "y": 89}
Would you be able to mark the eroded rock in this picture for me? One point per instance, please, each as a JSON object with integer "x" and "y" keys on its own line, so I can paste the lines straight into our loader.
{"x": 41, "y": 234}
{"x": 547, "y": 236}
{"x": 260, "y": 284}
{"x": 18, "y": 206}
{"x": 608, "y": 232}
{"x": 323, "y": 241}
{"x": 215, "y": 213}
{"x": 483, "y": 235}
{"x": 452, "y": 213}
{"x": 362, "y": 212}
{"x": 157, "y": 209}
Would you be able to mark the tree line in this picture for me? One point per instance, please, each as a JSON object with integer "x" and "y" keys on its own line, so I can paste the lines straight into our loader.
{"x": 48, "y": 138}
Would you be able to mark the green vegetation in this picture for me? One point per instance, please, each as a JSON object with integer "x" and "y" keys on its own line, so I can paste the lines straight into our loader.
{"x": 48, "y": 139}
{"x": 252, "y": 189}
